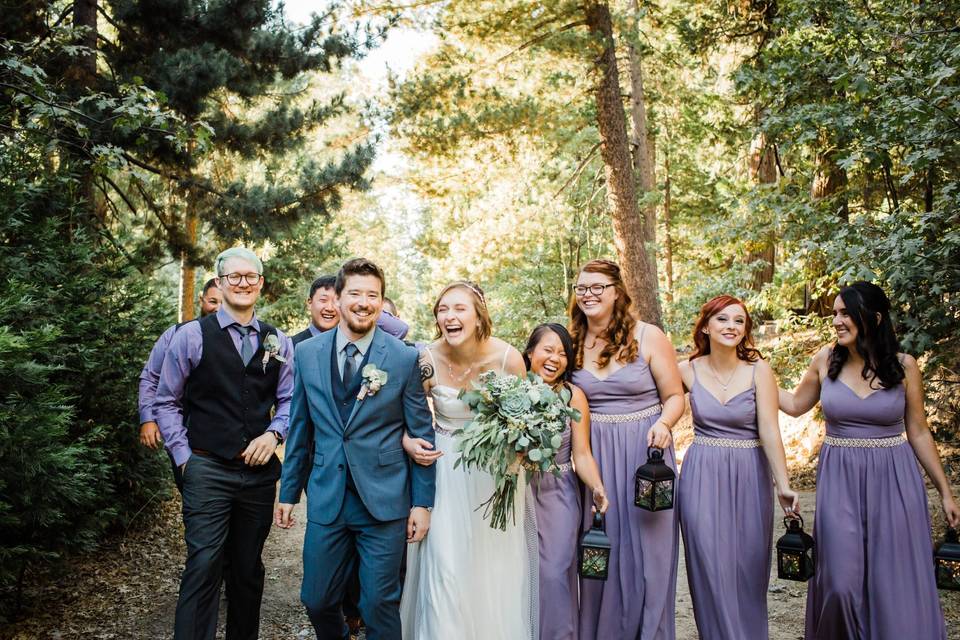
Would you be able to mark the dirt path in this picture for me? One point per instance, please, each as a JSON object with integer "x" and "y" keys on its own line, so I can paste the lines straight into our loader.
{"x": 128, "y": 591}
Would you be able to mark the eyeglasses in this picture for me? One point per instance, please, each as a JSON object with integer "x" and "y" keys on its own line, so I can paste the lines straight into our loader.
{"x": 234, "y": 279}
{"x": 596, "y": 289}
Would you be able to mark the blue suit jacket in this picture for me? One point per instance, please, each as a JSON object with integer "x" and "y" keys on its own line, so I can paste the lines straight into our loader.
{"x": 369, "y": 442}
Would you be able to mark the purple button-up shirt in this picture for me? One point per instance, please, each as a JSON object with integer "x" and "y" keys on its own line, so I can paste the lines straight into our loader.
{"x": 183, "y": 355}
{"x": 150, "y": 376}
{"x": 393, "y": 325}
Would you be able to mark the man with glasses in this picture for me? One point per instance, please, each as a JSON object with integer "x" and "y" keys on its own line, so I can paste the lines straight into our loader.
{"x": 222, "y": 405}
{"x": 210, "y": 298}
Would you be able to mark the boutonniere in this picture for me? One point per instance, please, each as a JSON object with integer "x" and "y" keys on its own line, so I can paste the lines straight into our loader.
{"x": 373, "y": 379}
{"x": 271, "y": 349}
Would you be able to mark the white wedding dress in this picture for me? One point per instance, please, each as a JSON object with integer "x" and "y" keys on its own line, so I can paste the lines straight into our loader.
{"x": 466, "y": 581}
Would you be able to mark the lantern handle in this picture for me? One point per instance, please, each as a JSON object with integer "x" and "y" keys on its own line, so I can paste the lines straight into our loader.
{"x": 952, "y": 535}
{"x": 599, "y": 522}
{"x": 654, "y": 453}
{"x": 788, "y": 521}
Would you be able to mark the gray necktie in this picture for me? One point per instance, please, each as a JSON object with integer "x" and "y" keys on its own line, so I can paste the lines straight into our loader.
{"x": 246, "y": 349}
{"x": 349, "y": 365}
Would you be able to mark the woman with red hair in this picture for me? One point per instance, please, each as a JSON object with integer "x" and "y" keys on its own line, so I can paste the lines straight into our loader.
{"x": 724, "y": 493}
{"x": 628, "y": 371}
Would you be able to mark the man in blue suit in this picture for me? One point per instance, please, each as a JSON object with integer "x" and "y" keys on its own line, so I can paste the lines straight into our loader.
{"x": 356, "y": 390}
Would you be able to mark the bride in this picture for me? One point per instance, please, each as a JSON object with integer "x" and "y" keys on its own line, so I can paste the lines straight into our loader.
{"x": 465, "y": 579}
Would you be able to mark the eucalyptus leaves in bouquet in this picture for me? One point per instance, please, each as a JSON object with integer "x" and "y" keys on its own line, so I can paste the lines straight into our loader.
{"x": 519, "y": 424}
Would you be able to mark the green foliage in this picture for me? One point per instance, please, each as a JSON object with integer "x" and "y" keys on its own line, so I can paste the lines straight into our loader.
{"x": 77, "y": 325}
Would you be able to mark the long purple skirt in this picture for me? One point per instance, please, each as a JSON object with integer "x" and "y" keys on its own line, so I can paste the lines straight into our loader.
{"x": 637, "y": 600}
{"x": 726, "y": 515}
{"x": 557, "y": 501}
{"x": 874, "y": 578}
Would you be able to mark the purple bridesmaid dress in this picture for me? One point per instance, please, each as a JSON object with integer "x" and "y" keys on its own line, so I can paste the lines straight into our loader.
{"x": 874, "y": 578}
{"x": 637, "y": 599}
{"x": 725, "y": 498}
{"x": 557, "y": 501}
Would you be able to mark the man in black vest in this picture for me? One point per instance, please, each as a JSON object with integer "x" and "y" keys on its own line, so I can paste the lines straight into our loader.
{"x": 322, "y": 305}
{"x": 227, "y": 373}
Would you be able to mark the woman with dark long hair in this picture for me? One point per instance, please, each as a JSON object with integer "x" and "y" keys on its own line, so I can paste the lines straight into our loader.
{"x": 628, "y": 371}
{"x": 549, "y": 354}
{"x": 725, "y": 495}
{"x": 874, "y": 575}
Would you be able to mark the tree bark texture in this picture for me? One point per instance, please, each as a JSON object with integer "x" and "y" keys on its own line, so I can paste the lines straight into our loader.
{"x": 763, "y": 170}
{"x": 644, "y": 147}
{"x": 628, "y": 225}
{"x": 188, "y": 273}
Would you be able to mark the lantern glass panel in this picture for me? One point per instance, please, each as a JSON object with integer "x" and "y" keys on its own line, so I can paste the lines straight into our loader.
{"x": 594, "y": 562}
{"x": 948, "y": 574}
{"x": 789, "y": 565}
{"x": 664, "y": 494}
{"x": 644, "y": 496}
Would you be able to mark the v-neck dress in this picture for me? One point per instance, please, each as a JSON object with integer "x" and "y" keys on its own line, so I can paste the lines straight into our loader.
{"x": 874, "y": 577}
{"x": 637, "y": 600}
{"x": 725, "y": 498}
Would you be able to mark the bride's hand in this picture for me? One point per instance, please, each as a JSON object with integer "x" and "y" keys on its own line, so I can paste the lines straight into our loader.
{"x": 420, "y": 451}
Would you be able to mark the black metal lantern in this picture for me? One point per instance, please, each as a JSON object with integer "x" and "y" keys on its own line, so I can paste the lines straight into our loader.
{"x": 654, "y": 483}
{"x": 946, "y": 559}
{"x": 595, "y": 550}
{"x": 796, "y": 556}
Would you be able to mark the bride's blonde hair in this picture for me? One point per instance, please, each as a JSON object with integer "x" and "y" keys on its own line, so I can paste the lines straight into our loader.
{"x": 484, "y": 322}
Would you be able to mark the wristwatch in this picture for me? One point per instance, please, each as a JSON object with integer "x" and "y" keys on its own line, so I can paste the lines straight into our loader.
{"x": 277, "y": 436}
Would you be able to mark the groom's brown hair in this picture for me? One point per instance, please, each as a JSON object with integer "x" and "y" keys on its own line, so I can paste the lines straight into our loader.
{"x": 359, "y": 267}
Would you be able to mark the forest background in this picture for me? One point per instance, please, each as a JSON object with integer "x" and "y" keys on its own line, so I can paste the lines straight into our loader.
{"x": 769, "y": 149}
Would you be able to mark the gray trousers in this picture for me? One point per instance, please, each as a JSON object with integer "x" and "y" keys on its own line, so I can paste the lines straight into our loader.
{"x": 227, "y": 513}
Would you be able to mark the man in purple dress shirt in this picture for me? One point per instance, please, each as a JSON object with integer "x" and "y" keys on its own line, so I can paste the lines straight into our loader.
{"x": 222, "y": 406}
{"x": 210, "y": 299}
{"x": 325, "y": 314}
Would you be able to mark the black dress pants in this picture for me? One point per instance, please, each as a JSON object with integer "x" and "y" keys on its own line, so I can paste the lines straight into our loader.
{"x": 227, "y": 513}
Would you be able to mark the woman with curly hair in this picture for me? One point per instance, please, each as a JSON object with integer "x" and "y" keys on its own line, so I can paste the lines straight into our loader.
{"x": 874, "y": 575}
{"x": 628, "y": 371}
{"x": 725, "y": 496}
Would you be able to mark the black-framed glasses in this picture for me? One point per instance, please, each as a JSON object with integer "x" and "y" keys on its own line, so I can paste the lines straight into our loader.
{"x": 596, "y": 289}
{"x": 234, "y": 279}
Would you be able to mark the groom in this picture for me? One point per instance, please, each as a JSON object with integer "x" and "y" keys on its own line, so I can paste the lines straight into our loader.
{"x": 344, "y": 442}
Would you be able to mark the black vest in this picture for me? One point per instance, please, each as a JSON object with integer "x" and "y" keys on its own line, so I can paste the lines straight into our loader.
{"x": 226, "y": 405}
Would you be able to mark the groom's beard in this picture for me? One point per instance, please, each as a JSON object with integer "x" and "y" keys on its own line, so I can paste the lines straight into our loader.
{"x": 361, "y": 326}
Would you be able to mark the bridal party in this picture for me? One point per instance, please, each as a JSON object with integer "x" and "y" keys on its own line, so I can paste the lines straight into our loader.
{"x": 380, "y": 437}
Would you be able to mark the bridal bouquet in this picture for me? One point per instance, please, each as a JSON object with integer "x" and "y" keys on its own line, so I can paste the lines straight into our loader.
{"x": 519, "y": 423}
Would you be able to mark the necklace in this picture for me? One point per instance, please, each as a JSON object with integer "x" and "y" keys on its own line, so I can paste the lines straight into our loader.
{"x": 461, "y": 377}
{"x": 722, "y": 384}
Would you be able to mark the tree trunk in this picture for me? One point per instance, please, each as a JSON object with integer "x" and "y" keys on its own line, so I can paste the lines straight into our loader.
{"x": 763, "y": 170}
{"x": 628, "y": 227}
{"x": 644, "y": 148}
{"x": 187, "y": 270}
{"x": 668, "y": 237}
{"x": 829, "y": 181}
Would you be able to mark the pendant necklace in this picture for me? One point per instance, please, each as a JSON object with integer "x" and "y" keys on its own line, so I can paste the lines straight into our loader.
{"x": 722, "y": 384}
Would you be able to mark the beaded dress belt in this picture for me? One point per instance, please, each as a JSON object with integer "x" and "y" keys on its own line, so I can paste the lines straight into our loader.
{"x": 627, "y": 417}
{"x": 563, "y": 468}
{"x": 732, "y": 443}
{"x": 442, "y": 431}
{"x": 866, "y": 443}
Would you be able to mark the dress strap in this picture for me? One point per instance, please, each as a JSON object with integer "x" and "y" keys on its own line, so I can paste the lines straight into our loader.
{"x": 753, "y": 381}
{"x": 693, "y": 365}
{"x": 503, "y": 361}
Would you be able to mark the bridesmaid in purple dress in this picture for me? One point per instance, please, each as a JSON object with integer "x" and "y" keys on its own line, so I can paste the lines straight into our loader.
{"x": 725, "y": 495}
{"x": 557, "y": 498}
{"x": 874, "y": 577}
{"x": 628, "y": 371}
